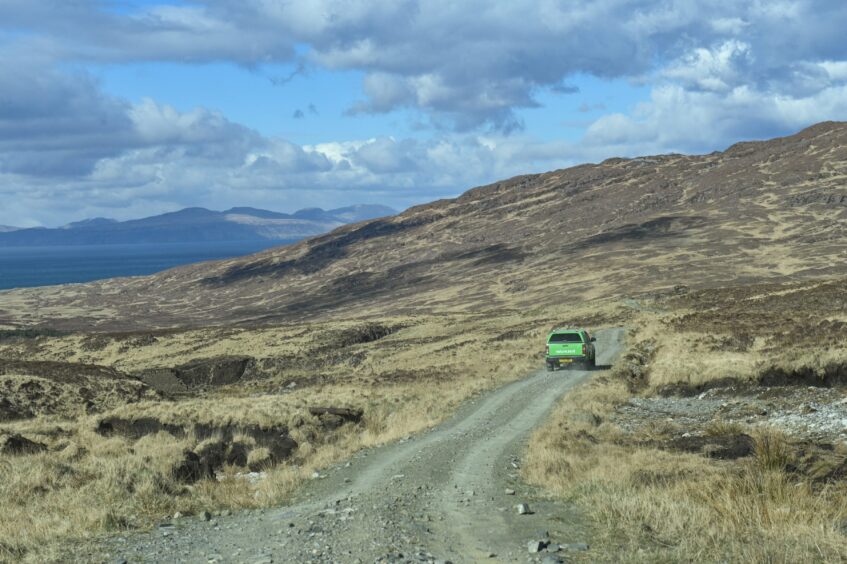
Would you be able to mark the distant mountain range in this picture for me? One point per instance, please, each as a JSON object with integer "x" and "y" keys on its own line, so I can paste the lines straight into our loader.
{"x": 192, "y": 225}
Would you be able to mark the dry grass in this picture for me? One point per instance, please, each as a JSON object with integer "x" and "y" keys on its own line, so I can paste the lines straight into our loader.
{"x": 649, "y": 504}
{"x": 87, "y": 484}
{"x": 653, "y": 505}
{"x": 91, "y": 484}
{"x": 747, "y": 333}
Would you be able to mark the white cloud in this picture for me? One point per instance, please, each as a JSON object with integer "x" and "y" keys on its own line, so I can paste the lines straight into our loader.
{"x": 466, "y": 63}
{"x": 837, "y": 70}
{"x": 729, "y": 26}
{"x": 680, "y": 120}
{"x": 719, "y": 71}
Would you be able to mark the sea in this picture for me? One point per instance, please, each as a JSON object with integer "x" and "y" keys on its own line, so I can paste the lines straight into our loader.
{"x": 24, "y": 267}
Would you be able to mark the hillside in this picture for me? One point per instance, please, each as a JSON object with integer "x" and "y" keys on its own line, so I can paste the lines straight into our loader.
{"x": 759, "y": 211}
{"x": 195, "y": 225}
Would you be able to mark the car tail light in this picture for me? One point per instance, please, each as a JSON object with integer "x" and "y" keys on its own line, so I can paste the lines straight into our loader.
{"x": 584, "y": 349}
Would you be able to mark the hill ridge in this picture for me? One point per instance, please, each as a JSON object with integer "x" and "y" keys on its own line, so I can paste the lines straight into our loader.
{"x": 759, "y": 211}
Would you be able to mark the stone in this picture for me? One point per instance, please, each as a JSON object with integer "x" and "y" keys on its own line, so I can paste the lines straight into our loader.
{"x": 549, "y": 559}
{"x": 578, "y": 546}
{"x": 523, "y": 509}
{"x": 510, "y": 491}
{"x": 535, "y": 546}
{"x": 553, "y": 547}
{"x": 205, "y": 516}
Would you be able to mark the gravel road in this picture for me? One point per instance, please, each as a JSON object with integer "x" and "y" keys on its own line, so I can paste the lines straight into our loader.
{"x": 450, "y": 494}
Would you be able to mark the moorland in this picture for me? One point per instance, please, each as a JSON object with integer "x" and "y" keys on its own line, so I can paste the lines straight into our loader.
{"x": 717, "y": 436}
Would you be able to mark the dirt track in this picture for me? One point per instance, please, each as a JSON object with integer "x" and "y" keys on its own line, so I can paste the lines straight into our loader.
{"x": 438, "y": 496}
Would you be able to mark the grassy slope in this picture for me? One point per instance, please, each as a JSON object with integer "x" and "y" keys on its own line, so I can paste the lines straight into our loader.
{"x": 762, "y": 211}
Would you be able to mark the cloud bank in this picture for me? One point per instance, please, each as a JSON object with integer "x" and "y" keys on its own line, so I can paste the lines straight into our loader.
{"x": 718, "y": 71}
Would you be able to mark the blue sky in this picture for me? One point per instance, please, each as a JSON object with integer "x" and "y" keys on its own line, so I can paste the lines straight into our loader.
{"x": 129, "y": 108}
{"x": 312, "y": 107}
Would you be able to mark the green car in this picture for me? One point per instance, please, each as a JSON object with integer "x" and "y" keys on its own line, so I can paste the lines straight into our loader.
{"x": 567, "y": 347}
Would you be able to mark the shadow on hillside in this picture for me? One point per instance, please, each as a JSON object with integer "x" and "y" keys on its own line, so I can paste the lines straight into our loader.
{"x": 659, "y": 228}
{"x": 322, "y": 251}
{"x": 400, "y": 280}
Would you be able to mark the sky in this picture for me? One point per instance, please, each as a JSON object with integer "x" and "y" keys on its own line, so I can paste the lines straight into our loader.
{"x": 129, "y": 108}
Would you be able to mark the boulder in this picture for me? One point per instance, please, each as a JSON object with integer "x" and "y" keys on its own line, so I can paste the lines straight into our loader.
{"x": 535, "y": 546}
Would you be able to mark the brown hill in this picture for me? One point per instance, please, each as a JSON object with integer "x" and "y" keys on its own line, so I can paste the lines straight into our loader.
{"x": 759, "y": 211}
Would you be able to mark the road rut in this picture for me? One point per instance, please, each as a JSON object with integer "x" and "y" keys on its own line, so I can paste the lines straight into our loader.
{"x": 441, "y": 495}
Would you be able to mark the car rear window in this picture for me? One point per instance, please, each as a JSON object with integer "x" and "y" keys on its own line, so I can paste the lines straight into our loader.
{"x": 565, "y": 338}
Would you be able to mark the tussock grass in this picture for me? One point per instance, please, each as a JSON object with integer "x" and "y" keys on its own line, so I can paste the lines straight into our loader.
{"x": 87, "y": 485}
{"x": 652, "y": 505}
{"x": 771, "y": 333}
